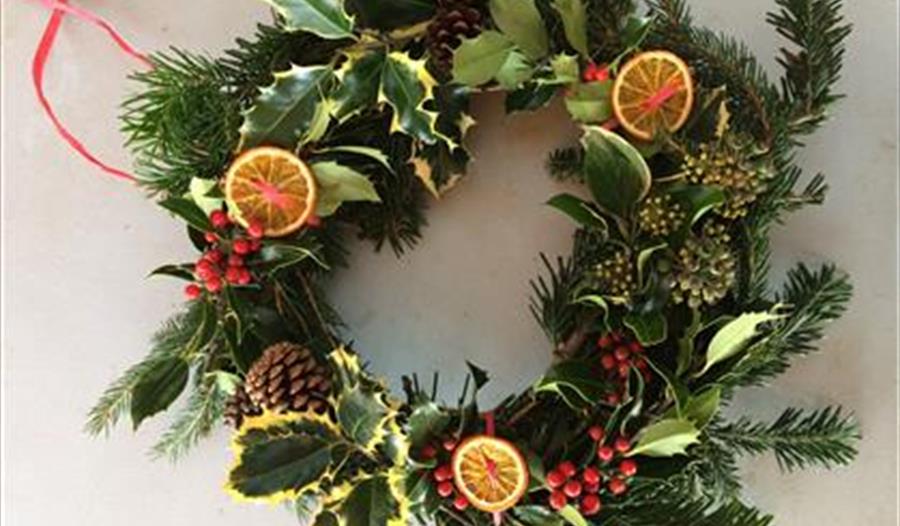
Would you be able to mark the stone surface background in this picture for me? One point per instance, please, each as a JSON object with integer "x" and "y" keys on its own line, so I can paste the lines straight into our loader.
{"x": 77, "y": 244}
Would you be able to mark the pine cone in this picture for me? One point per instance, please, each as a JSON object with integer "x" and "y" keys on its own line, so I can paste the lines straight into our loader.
{"x": 239, "y": 407}
{"x": 454, "y": 21}
{"x": 288, "y": 378}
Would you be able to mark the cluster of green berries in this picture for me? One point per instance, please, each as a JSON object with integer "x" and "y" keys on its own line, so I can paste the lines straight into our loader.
{"x": 660, "y": 215}
{"x": 223, "y": 262}
{"x": 620, "y": 355}
{"x": 705, "y": 268}
{"x": 615, "y": 275}
{"x": 722, "y": 166}
{"x": 587, "y": 487}
{"x": 442, "y": 475}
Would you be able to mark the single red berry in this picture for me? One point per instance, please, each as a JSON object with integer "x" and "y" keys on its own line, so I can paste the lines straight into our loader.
{"x": 596, "y": 433}
{"x": 628, "y": 468}
{"x": 589, "y": 72}
{"x": 592, "y": 488}
{"x": 636, "y": 347}
{"x": 622, "y": 353}
{"x": 640, "y": 363}
{"x": 616, "y": 337}
{"x": 241, "y": 246}
{"x": 460, "y": 503}
{"x": 193, "y": 291}
{"x": 219, "y": 219}
{"x": 567, "y": 468}
{"x": 235, "y": 260}
{"x": 572, "y": 488}
{"x": 314, "y": 221}
{"x": 617, "y": 486}
{"x": 591, "y": 476}
{"x": 590, "y": 505}
{"x": 210, "y": 237}
{"x": 602, "y": 74}
{"x": 608, "y": 361}
{"x": 604, "y": 341}
{"x": 428, "y": 452}
{"x": 605, "y": 454}
{"x": 214, "y": 256}
{"x": 255, "y": 229}
{"x": 555, "y": 479}
{"x": 450, "y": 444}
{"x": 622, "y": 445}
{"x": 445, "y": 489}
{"x": 443, "y": 473}
{"x": 613, "y": 399}
{"x": 558, "y": 500}
{"x": 213, "y": 284}
{"x": 624, "y": 369}
{"x": 205, "y": 272}
{"x": 245, "y": 277}
{"x": 233, "y": 275}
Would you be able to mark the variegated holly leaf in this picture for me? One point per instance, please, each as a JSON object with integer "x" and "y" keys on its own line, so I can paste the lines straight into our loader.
{"x": 346, "y": 367}
{"x": 363, "y": 416}
{"x": 338, "y": 184}
{"x": 280, "y": 457}
{"x": 440, "y": 165}
{"x": 374, "y": 502}
{"x": 285, "y": 111}
{"x": 666, "y": 438}
{"x": 406, "y": 85}
{"x": 521, "y": 21}
{"x": 308, "y": 507}
{"x": 326, "y": 18}
{"x": 360, "y": 82}
{"x": 616, "y": 173}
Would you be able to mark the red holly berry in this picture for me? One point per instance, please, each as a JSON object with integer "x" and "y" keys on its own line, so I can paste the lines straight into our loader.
{"x": 592, "y": 488}
{"x": 591, "y": 476}
{"x": 428, "y": 452}
{"x": 255, "y": 229}
{"x": 622, "y": 353}
{"x": 445, "y": 489}
{"x": 205, "y": 270}
{"x": 590, "y": 505}
{"x": 443, "y": 473}
{"x": 567, "y": 469}
{"x": 558, "y": 500}
{"x": 214, "y": 256}
{"x": 605, "y": 454}
{"x": 241, "y": 246}
{"x": 450, "y": 444}
{"x": 460, "y": 503}
{"x": 193, "y": 291}
{"x": 596, "y": 433}
{"x": 604, "y": 341}
{"x": 572, "y": 489}
{"x": 622, "y": 445}
{"x": 636, "y": 347}
{"x": 213, "y": 284}
{"x": 608, "y": 361}
{"x": 641, "y": 364}
{"x": 628, "y": 468}
{"x": 555, "y": 479}
{"x": 219, "y": 219}
{"x": 210, "y": 237}
{"x": 245, "y": 277}
{"x": 617, "y": 486}
{"x": 602, "y": 74}
{"x": 624, "y": 369}
{"x": 235, "y": 260}
{"x": 314, "y": 221}
{"x": 613, "y": 399}
{"x": 233, "y": 275}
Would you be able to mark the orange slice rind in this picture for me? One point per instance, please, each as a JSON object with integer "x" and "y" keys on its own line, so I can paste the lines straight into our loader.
{"x": 490, "y": 473}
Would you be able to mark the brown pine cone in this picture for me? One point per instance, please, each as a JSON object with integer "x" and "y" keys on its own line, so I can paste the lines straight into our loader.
{"x": 288, "y": 378}
{"x": 454, "y": 21}
{"x": 239, "y": 407}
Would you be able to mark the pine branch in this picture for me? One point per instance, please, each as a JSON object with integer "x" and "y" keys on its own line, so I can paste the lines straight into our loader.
{"x": 169, "y": 341}
{"x": 196, "y": 421}
{"x": 565, "y": 164}
{"x": 551, "y": 300}
{"x": 660, "y": 504}
{"x": 825, "y": 438}
{"x": 606, "y": 19}
{"x": 817, "y": 31}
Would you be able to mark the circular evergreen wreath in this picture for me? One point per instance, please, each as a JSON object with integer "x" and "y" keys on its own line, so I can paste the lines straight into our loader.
{"x": 345, "y": 115}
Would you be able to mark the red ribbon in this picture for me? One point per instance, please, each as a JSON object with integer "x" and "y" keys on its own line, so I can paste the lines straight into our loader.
{"x": 61, "y": 9}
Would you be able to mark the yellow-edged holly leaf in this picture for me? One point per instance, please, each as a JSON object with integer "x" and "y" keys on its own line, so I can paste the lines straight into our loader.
{"x": 406, "y": 85}
{"x": 346, "y": 367}
{"x": 285, "y": 111}
{"x": 574, "y": 18}
{"x": 372, "y": 503}
{"x": 338, "y": 184}
{"x": 666, "y": 438}
{"x": 360, "y": 81}
{"x": 308, "y": 507}
{"x": 363, "y": 416}
{"x": 326, "y": 18}
{"x": 521, "y": 21}
{"x": 478, "y": 60}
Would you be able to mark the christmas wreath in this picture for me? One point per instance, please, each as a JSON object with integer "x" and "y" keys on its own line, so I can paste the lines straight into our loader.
{"x": 347, "y": 117}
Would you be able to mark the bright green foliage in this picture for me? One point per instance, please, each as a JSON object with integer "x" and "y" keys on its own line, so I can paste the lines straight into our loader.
{"x": 521, "y": 22}
{"x": 616, "y": 174}
{"x": 338, "y": 184}
{"x": 574, "y": 17}
{"x": 479, "y": 60}
{"x": 666, "y": 438}
{"x": 326, "y": 18}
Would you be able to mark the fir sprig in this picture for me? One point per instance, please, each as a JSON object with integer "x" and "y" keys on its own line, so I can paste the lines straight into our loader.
{"x": 197, "y": 419}
{"x": 551, "y": 300}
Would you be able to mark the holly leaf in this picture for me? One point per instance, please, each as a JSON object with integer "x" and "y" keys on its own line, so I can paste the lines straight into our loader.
{"x": 338, "y": 184}
{"x": 573, "y": 516}
{"x": 326, "y": 18}
{"x": 565, "y": 69}
{"x": 386, "y": 15}
{"x": 406, "y": 86}
{"x": 665, "y": 438}
{"x": 284, "y": 112}
{"x": 649, "y": 327}
{"x": 733, "y": 338}
{"x": 516, "y": 70}
{"x": 158, "y": 388}
{"x": 590, "y": 102}
{"x": 359, "y": 83}
{"x": 702, "y": 408}
{"x": 573, "y": 377}
{"x": 574, "y": 19}
{"x": 188, "y": 211}
{"x": 478, "y": 60}
{"x": 698, "y": 200}
{"x": 206, "y": 194}
{"x": 530, "y": 97}
{"x": 616, "y": 173}
{"x": 579, "y": 211}
{"x": 426, "y": 421}
{"x": 307, "y": 508}
{"x": 362, "y": 415}
{"x": 184, "y": 271}
{"x": 521, "y": 21}
{"x": 372, "y": 503}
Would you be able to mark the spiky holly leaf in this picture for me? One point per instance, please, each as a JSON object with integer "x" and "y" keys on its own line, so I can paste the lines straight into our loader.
{"x": 308, "y": 507}
{"x": 391, "y": 14}
{"x": 590, "y": 102}
{"x": 478, "y": 60}
{"x": 326, "y": 18}
{"x": 515, "y": 71}
{"x": 360, "y": 80}
{"x": 426, "y": 421}
{"x": 364, "y": 416}
{"x": 574, "y": 18}
{"x": 406, "y": 85}
{"x": 346, "y": 367}
{"x": 521, "y": 21}
{"x": 666, "y": 438}
{"x": 530, "y": 97}
{"x": 374, "y": 502}
{"x": 576, "y": 381}
{"x": 280, "y": 457}
{"x": 338, "y": 184}
{"x": 285, "y": 111}
{"x": 440, "y": 165}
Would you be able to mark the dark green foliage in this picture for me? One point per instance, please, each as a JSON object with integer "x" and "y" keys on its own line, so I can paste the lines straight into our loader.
{"x": 606, "y": 19}
{"x": 564, "y": 164}
{"x": 196, "y": 420}
{"x": 551, "y": 300}
{"x": 799, "y": 439}
{"x": 659, "y": 503}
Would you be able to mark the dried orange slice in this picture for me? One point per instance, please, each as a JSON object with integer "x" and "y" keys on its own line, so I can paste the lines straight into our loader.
{"x": 490, "y": 472}
{"x": 270, "y": 187}
{"x": 653, "y": 92}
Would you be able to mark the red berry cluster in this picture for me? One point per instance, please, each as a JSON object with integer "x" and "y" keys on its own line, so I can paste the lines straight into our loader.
{"x": 595, "y": 73}
{"x": 618, "y": 355}
{"x": 443, "y": 473}
{"x": 586, "y": 487}
{"x": 223, "y": 261}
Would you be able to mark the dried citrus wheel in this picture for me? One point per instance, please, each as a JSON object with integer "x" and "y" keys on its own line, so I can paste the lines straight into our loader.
{"x": 653, "y": 91}
{"x": 270, "y": 187}
{"x": 490, "y": 472}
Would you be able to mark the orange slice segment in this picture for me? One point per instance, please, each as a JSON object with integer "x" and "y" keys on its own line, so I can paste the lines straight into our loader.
{"x": 270, "y": 187}
{"x": 490, "y": 472}
{"x": 654, "y": 91}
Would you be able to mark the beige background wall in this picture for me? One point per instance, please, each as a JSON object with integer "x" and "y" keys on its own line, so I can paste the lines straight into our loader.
{"x": 77, "y": 245}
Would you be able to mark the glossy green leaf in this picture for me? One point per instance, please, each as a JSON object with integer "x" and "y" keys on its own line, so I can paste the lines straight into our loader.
{"x": 188, "y": 211}
{"x": 574, "y": 377}
{"x": 565, "y": 70}
{"x": 616, "y": 173}
{"x": 573, "y": 516}
{"x": 361, "y": 413}
{"x": 478, "y": 60}
{"x": 339, "y": 184}
{"x": 733, "y": 338}
{"x": 184, "y": 271}
{"x": 359, "y": 83}
{"x": 529, "y": 97}
{"x": 698, "y": 200}
{"x": 364, "y": 151}
{"x": 665, "y": 438}
{"x": 579, "y": 211}
{"x": 406, "y": 86}
{"x": 574, "y": 18}
{"x": 206, "y": 194}
{"x": 326, "y": 18}
{"x": 515, "y": 71}
{"x": 371, "y": 503}
{"x": 650, "y": 328}
{"x": 537, "y": 515}
{"x": 590, "y": 102}
{"x": 636, "y": 30}
{"x": 307, "y": 508}
{"x": 700, "y": 409}
{"x": 386, "y": 15}
{"x": 285, "y": 111}
{"x": 158, "y": 388}
{"x": 521, "y": 21}
{"x": 281, "y": 254}
{"x": 426, "y": 421}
